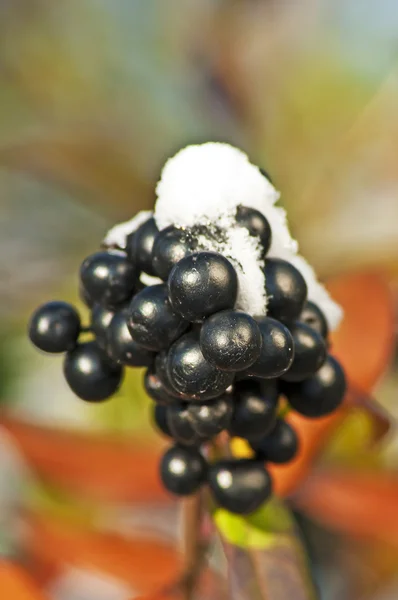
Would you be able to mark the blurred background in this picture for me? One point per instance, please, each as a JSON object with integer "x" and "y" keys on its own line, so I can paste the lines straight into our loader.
{"x": 94, "y": 96}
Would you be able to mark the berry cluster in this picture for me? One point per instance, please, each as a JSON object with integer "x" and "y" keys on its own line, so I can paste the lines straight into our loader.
{"x": 209, "y": 366}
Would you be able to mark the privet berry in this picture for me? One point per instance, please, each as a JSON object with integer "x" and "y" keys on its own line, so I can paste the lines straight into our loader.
{"x": 183, "y": 470}
{"x": 231, "y": 340}
{"x": 108, "y": 277}
{"x": 152, "y": 321}
{"x": 101, "y": 318}
{"x": 54, "y": 327}
{"x": 122, "y": 348}
{"x": 190, "y": 373}
{"x": 210, "y": 418}
{"x": 278, "y": 446}
{"x": 90, "y": 373}
{"x": 277, "y": 350}
{"x": 156, "y": 390}
{"x": 202, "y": 284}
{"x": 171, "y": 245}
{"x": 240, "y": 486}
{"x": 159, "y": 417}
{"x": 312, "y": 316}
{"x": 320, "y": 394}
{"x": 180, "y": 425}
{"x": 139, "y": 246}
{"x": 286, "y": 290}
{"x": 256, "y": 224}
{"x": 309, "y": 352}
{"x": 255, "y": 407}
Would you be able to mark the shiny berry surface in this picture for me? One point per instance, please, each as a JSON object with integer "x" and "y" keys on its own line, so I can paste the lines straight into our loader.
{"x": 277, "y": 349}
{"x": 231, "y": 340}
{"x": 190, "y": 373}
{"x": 320, "y": 394}
{"x": 156, "y": 390}
{"x": 152, "y": 321}
{"x": 180, "y": 425}
{"x": 54, "y": 327}
{"x": 279, "y": 446}
{"x": 286, "y": 290}
{"x": 171, "y": 245}
{"x": 202, "y": 284}
{"x": 108, "y": 277}
{"x": 255, "y": 409}
{"x": 159, "y": 418}
{"x": 183, "y": 470}
{"x": 312, "y": 316}
{"x": 210, "y": 418}
{"x": 239, "y": 486}
{"x": 122, "y": 348}
{"x": 257, "y": 225}
{"x": 309, "y": 352}
{"x": 140, "y": 245}
{"x": 101, "y": 318}
{"x": 90, "y": 374}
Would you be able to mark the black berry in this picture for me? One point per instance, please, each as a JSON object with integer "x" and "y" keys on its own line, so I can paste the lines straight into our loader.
{"x": 156, "y": 390}
{"x": 320, "y": 394}
{"x": 159, "y": 417}
{"x": 240, "y": 486}
{"x": 101, "y": 318}
{"x": 210, "y": 418}
{"x": 171, "y": 245}
{"x": 309, "y": 352}
{"x": 312, "y": 316}
{"x": 231, "y": 340}
{"x": 108, "y": 277}
{"x": 277, "y": 349}
{"x": 286, "y": 290}
{"x": 202, "y": 284}
{"x": 279, "y": 446}
{"x": 180, "y": 425}
{"x": 90, "y": 374}
{"x": 140, "y": 245}
{"x": 255, "y": 408}
{"x": 153, "y": 322}
{"x": 190, "y": 373}
{"x": 54, "y": 327}
{"x": 183, "y": 470}
{"x": 122, "y": 348}
{"x": 256, "y": 224}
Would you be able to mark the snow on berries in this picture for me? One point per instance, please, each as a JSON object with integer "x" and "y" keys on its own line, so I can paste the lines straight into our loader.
{"x": 209, "y": 296}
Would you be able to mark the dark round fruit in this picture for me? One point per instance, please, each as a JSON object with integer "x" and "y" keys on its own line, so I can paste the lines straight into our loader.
{"x": 90, "y": 374}
{"x": 85, "y": 297}
{"x": 162, "y": 372}
{"x": 240, "y": 486}
{"x": 183, "y": 470}
{"x": 309, "y": 352}
{"x": 255, "y": 407}
{"x": 156, "y": 390}
{"x": 202, "y": 284}
{"x": 180, "y": 425}
{"x": 279, "y": 446}
{"x": 101, "y": 318}
{"x": 190, "y": 373}
{"x": 231, "y": 340}
{"x": 122, "y": 348}
{"x": 256, "y": 224}
{"x": 54, "y": 327}
{"x": 159, "y": 417}
{"x": 277, "y": 349}
{"x": 320, "y": 394}
{"x": 286, "y": 290}
{"x": 212, "y": 417}
{"x": 152, "y": 321}
{"x": 108, "y": 277}
{"x": 139, "y": 246}
{"x": 171, "y": 245}
{"x": 312, "y": 316}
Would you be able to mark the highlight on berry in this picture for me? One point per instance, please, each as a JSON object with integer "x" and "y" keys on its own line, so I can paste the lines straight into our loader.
{"x": 170, "y": 298}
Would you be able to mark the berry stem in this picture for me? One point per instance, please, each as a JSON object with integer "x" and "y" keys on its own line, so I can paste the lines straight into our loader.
{"x": 196, "y": 541}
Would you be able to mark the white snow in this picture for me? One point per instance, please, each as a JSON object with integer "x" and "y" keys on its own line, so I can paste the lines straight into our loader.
{"x": 204, "y": 185}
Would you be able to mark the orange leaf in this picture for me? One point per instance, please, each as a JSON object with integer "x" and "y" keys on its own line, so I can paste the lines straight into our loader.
{"x": 364, "y": 344}
{"x": 359, "y": 504}
{"x": 94, "y": 466}
{"x": 15, "y": 583}
{"x": 144, "y": 563}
